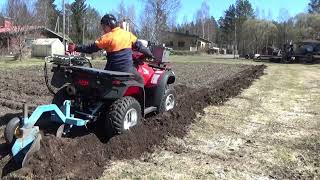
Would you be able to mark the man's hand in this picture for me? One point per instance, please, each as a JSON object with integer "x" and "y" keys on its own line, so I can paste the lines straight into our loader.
{"x": 71, "y": 47}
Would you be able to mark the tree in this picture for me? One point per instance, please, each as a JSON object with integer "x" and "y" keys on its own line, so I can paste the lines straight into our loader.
{"x": 260, "y": 33}
{"x": 78, "y": 18}
{"x": 227, "y": 27}
{"x": 308, "y": 26}
{"x": 314, "y": 6}
{"x": 284, "y": 27}
{"x": 92, "y": 25}
{"x": 154, "y": 20}
{"x": 203, "y": 15}
{"x": 270, "y": 16}
{"x": 47, "y": 13}
{"x": 131, "y": 16}
{"x": 257, "y": 13}
{"x": 127, "y": 13}
{"x": 23, "y": 22}
{"x": 122, "y": 12}
{"x": 244, "y": 11}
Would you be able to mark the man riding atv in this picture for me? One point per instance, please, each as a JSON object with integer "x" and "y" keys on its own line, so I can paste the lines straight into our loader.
{"x": 118, "y": 44}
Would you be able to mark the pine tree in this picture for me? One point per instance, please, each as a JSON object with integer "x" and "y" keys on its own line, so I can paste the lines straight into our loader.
{"x": 227, "y": 24}
{"x": 47, "y": 13}
{"x": 314, "y": 6}
{"x": 244, "y": 11}
{"x": 78, "y": 9}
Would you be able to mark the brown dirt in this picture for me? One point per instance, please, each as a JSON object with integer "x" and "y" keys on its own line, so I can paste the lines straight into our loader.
{"x": 86, "y": 156}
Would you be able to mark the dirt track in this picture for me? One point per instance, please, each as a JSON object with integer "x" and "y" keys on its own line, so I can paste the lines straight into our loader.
{"x": 207, "y": 84}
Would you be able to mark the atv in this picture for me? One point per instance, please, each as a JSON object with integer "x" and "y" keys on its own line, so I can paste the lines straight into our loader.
{"x": 87, "y": 95}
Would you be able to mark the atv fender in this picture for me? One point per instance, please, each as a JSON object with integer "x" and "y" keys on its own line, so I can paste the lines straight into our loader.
{"x": 120, "y": 91}
{"x": 167, "y": 78}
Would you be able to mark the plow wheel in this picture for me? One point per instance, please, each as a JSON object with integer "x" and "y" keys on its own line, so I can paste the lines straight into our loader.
{"x": 12, "y": 130}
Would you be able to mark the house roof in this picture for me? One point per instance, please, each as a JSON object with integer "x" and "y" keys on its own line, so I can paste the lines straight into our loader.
{"x": 60, "y": 35}
{"x": 16, "y": 29}
{"x": 45, "y": 41}
{"x": 190, "y": 35}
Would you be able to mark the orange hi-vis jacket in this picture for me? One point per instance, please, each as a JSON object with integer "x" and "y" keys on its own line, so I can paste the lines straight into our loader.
{"x": 118, "y": 45}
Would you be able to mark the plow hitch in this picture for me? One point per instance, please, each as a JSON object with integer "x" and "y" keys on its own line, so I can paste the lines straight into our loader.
{"x": 24, "y": 137}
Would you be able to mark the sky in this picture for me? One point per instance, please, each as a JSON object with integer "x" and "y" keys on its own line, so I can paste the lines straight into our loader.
{"x": 271, "y": 8}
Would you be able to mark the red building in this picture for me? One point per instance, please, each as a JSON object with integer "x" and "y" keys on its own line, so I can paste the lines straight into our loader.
{"x": 12, "y": 36}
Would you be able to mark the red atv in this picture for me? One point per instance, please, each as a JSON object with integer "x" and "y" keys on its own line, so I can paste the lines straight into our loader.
{"x": 114, "y": 97}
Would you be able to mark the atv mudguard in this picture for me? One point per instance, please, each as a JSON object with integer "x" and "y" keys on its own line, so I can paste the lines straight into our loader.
{"x": 58, "y": 79}
{"x": 118, "y": 92}
{"x": 167, "y": 78}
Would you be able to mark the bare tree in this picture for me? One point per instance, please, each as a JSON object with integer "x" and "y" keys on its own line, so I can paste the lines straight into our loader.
{"x": 203, "y": 15}
{"x": 23, "y": 23}
{"x": 308, "y": 26}
{"x": 257, "y": 13}
{"x": 156, "y": 16}
{"x": 260, "y": 33}
{"x": 270, "y": 16}
{"x": 122, "y": 12}
{"x": 131, "y": 17}
{"x": 46, "y": 13}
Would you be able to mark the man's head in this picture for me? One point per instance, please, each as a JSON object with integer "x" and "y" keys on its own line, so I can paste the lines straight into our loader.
{"x": 108, "y": 22}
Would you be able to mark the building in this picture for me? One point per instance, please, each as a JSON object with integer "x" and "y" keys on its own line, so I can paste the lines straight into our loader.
{"x": 12, "y": 36}
{"x": 186, "y": 42}
{"x": 47, "y": 47}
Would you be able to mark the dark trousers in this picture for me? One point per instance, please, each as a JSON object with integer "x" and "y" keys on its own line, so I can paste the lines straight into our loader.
{"x": 137, "y": 76}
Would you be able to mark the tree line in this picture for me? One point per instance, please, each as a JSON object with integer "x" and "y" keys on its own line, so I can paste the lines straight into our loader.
{"x": 241, "y": 27}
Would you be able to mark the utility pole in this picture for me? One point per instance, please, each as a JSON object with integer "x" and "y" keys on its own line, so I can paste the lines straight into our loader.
{"x": 45, "y": 15}
{"x": 68, "y": 24}
{"x": 83, "y": 28}
{"x": 235, "y": 37}
{"x": 64, "y": 23}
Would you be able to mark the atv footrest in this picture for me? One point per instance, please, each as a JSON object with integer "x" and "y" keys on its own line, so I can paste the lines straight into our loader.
{"x": 150, "y": 110}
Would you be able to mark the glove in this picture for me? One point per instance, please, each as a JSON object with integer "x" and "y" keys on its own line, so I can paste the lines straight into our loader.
{"x": 71, "y": 47}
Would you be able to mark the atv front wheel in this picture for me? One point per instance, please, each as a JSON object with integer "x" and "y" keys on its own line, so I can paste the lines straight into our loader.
{"x": 168, "y": 101}
{"x": 124, "y": 114}
{"x": 11, "y": 130}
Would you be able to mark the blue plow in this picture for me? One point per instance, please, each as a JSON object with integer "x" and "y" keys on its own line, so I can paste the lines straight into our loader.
{"x": 27, "y": 135}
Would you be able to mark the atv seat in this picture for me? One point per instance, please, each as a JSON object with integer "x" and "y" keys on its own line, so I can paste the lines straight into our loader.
{"x": 102, "y": 73}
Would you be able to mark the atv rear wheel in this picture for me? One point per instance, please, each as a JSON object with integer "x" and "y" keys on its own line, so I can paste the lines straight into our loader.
{"x": 11, "y": 130}
{"x": 124, "y": 114}
{"x": 168, "y": 101}
{"x": 60, "y": 97}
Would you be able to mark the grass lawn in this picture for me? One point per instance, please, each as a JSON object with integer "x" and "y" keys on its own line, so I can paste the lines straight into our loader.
{"x": 270, "y": 131}
{"x": 9, "y": 63}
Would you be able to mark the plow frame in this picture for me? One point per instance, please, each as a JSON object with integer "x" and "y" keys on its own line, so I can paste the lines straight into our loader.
{"x": 28, "y": 136}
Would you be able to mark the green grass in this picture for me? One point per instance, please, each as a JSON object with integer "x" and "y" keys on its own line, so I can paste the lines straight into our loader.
{"x": 6, "y": 63}
{"x": 209, "y": 59}
{"x": 9, "y": 63}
